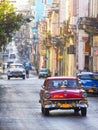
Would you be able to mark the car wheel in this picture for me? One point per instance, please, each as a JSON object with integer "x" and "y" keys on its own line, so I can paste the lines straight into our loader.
{"x": 76, "y": 110}
{"x": 42, "y": 109}
{"x": 23, "y": 77}
{"x": 45, "y": 111}
{"x": 8, "y": 78}
{"x": 83, "y": 111}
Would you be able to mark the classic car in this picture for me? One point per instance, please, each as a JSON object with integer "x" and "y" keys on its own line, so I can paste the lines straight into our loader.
{"x": 44, "y": 73}
{"x": 63, "y": 93}
{"x": 89, "y": 81}
{"x": 16, "y": 70}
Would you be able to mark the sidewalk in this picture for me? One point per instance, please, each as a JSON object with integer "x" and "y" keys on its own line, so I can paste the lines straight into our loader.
{"x": 2, "y": 75}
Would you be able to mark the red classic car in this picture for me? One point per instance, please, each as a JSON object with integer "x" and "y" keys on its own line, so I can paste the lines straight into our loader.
{"x": 63, "y": 93}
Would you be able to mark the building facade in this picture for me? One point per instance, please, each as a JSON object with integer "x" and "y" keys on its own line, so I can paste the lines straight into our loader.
{"x": 66, "y": 33}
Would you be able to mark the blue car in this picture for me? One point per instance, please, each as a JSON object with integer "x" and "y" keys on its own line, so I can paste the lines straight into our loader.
{"x": 89, "y": 81}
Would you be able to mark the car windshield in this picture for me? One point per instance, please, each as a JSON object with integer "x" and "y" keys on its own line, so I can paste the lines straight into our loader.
{"x": 71, "y": 83}
{"x": 88, "y": 76}
{"x": 43, "y": 70}
{"x": 16, "y": 66}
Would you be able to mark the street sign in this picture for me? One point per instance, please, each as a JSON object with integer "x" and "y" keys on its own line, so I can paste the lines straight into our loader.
{"x": 60, "y": 57}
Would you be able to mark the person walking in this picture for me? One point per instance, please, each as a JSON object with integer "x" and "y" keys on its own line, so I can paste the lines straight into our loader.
{"x": 56, "y": 72}
{"x": 27, "y": 71}
{"x": 3, "y": 68}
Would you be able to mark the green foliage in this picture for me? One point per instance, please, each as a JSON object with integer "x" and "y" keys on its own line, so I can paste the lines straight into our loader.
{"x": 10, "y": 21}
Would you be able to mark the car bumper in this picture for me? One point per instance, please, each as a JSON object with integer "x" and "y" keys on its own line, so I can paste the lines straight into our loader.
{"x": 16, "y": 75}
{"x": 65, "y": 104}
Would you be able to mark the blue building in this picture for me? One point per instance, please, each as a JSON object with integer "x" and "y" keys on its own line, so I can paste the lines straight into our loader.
{"x": 38, "y": 7}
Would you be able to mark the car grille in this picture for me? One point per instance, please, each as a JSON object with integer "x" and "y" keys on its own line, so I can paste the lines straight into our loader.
{"x": 65, "y": 101}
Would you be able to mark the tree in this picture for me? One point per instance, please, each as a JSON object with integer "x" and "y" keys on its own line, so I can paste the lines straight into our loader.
{"x": 10, "y": 21}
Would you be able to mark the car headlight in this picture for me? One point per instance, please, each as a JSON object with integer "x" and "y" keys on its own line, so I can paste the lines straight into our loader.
{"x": 47, "y": 95}
{"x": 84, "y": 94}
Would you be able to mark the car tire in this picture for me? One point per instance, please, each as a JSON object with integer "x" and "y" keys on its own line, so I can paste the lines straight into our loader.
{"x": 76, "y": 110}
{"x": 23, "y": 77}
{"x": 45, "y": 111}
{"x": 8, "y": 78}
{"x": 83, "y": 111}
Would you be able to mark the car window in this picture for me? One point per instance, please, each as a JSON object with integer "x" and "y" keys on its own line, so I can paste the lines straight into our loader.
{"x": 16, "y": 66}
{"x": 12, "y": 66}
{"x": 96, "y": 77}
{"x": 86, "y": 76}
{"x": 63, "y": 83}
{"x": 43, "y": 70}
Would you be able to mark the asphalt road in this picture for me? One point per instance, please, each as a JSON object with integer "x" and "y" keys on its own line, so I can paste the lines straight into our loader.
{"x": 20, "y": 109}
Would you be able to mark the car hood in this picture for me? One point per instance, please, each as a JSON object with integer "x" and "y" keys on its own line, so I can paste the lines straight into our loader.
{"x": 89, "y": 82}
{"x": 66, "y": 93}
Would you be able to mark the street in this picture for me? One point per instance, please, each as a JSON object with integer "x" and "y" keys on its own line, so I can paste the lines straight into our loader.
{"x": 20, "y": 109}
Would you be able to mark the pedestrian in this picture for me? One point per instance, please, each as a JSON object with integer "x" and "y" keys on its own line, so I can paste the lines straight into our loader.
{"x": 86, "y": 69}
{"x": 56, "y": 72}
{"x": 3, "y": 68}
{"x": 27, "y": 72}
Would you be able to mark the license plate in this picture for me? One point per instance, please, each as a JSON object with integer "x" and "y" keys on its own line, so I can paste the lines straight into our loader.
{"x": 73, "y": 103}
{"x": 90, "y": 90}
{"x": 16, "y": 74}
{"x": 65, "y": 105}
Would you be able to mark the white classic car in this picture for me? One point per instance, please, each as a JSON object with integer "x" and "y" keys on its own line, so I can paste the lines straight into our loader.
{"x": 16, "y": 70}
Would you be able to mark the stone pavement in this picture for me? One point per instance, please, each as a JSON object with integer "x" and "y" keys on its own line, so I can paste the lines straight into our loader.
{"x": 2, "y": 75}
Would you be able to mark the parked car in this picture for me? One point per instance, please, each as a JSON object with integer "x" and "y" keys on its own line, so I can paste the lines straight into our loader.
{"x": 44, "y": 73}
{"x": 89, "y": 81}
{"x": 16, "y": 70}
{"x": 63, "y": 93}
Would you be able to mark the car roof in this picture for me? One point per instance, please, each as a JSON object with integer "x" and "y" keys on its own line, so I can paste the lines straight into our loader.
{"x": 85, "y": 73}
{"x": 61, "y": 77}
{"x": 16, "y": 64}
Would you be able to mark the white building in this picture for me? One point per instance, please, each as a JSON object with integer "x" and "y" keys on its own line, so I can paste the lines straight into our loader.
{"x": 80, "y": 10}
